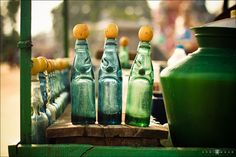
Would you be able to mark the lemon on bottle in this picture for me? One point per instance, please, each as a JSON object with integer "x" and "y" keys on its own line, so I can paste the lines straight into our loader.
{"x": 65, "y": 63}
{"x": 53, "y": 65}
{"x": 80, "y": 31}
{"x": 124, "y": 41}
{"x": 50, "y": 66}
{"x": 59, "y": 63}
{"x": 145, "y": 33}
{"x": 111, "y": 31}
{"x": 56, "y": 64}
{"x": 43, "y": 63}
{"x": 35, "y": 66}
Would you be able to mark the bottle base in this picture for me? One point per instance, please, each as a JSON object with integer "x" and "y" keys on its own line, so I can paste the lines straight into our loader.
{"x": 134, "y": 121}
{"x": 109, "y": 119}
{"x": 76, "y": 120}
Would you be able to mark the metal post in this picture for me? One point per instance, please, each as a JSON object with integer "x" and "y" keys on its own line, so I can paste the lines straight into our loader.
{"x": 65, "y": 18}
{"x": 25, "y": 72}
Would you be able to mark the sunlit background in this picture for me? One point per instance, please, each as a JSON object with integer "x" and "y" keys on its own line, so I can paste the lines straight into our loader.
{"x": 168, "y": 19}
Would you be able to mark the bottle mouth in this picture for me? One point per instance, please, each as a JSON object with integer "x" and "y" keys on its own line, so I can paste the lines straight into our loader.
{"x": 81, "y": 42}
{"x": 110, "y": 41}
{"x": 144, "y": 44}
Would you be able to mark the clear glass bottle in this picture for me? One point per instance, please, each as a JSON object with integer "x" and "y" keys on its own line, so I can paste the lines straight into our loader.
{"x": 178, "y": 55}
{"x": 110, "y": 83}
{"x": 82, "y": 82}
{"x": 140, "y": 87}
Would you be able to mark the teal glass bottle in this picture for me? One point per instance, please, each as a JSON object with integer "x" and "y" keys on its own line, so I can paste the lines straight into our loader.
{"x": 66, "y": 85}
{"x": 43, "y": 89}
{"x": 51, "y": 82}
{"x": 110, "y": 85}
{"x": 39, "y": 120}
{"x": 49, "y": 103}
{"x": 140, "y": 87}
{"x": 57, "y": 85}
{"x": 82, "y": 82}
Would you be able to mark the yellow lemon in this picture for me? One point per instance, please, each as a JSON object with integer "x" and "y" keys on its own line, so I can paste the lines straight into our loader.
{"x": 111, "y": 31}
{"x": 80, "y": 31}
{"x": 124, "y": 41}
{"x": 145, "y": 33}
{"x": 55, "y": 64}
{"x": 65, "y": 63}
{"x": 67, "y": 60}
{"x": 35, "y": 66}
{"x": 60, "y": 63}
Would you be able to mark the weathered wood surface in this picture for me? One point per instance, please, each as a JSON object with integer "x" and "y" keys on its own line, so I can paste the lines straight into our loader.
{"x": 63, "y": 131}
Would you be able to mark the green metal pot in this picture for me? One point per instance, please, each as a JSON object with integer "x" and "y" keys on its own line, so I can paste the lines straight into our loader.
{"x": 200, "y": 92}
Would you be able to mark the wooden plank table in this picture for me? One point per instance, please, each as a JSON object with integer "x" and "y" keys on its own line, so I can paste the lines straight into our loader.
{"x": 63, "y": 131}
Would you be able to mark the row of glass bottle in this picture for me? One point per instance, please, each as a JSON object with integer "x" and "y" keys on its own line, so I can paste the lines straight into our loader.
{"x": 49, "y": 94}
{"x": 140, "y": 83}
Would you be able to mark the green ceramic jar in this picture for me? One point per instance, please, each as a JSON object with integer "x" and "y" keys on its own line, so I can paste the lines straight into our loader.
{"x": 200, "y": 92}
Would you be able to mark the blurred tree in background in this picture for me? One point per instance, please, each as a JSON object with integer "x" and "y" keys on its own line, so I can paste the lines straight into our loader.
{"x": 98, "y": 13}
{"x": 9, "y": 41}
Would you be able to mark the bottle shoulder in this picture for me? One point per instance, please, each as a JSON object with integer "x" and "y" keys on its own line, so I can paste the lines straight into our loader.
{"x": 146, "y": 76}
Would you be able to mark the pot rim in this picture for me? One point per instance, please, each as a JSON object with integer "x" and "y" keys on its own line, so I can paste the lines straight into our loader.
{"x": 214, "y": 31}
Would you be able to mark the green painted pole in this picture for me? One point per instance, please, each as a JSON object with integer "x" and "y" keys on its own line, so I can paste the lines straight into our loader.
{"x": 65, "y": 18}
{"x": 25, "y": 72}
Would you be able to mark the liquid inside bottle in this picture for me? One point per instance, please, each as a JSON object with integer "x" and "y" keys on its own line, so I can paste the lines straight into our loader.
{"x": 110, "y": 86}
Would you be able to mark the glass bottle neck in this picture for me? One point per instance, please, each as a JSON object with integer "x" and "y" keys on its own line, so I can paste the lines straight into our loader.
{"x": 48, "y": 88}
{"x": 81, "y": 45}
{"x": 110, "y": 44}
{"x": 144, "y": 48}
{"x": 123, "y": 48}
{"x": 35, "y": 78}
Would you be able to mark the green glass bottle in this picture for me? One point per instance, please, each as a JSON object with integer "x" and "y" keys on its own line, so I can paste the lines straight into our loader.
{"x": 140, "y": 85}
{"x": 123, "y": 53}
{"x": 110, "y": 81}
{"x": 82, "y": 80}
